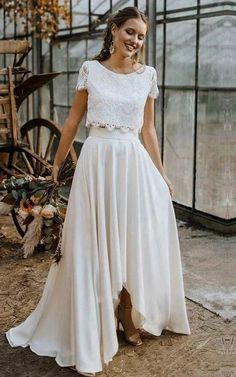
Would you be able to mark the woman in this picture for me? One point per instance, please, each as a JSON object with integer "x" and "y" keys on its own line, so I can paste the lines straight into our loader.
{"x": 120, "y": 249}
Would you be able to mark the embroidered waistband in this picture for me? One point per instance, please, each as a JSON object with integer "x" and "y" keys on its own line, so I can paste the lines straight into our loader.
{"x": 111, "y": 127}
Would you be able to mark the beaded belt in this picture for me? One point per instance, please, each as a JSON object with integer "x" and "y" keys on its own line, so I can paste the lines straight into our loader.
{"x": 112, "y": 127}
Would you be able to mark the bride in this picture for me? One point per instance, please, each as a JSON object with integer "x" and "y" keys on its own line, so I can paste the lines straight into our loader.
{"x": 121, "y": 264}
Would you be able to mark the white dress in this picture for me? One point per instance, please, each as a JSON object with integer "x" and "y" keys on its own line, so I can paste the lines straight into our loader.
{"x": 120, "y": 230}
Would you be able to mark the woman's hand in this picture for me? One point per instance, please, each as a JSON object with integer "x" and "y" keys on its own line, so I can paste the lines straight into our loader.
{"x": 169, "y": 184}
{"x": 150, "y": 140}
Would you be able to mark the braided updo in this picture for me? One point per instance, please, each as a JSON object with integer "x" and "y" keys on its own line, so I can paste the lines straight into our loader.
{"x": 119, "y": 18}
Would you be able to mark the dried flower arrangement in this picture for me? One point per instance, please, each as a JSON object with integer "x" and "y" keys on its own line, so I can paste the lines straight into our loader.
{"x": 37, "y": 202}
{"x": 39, "y": 16}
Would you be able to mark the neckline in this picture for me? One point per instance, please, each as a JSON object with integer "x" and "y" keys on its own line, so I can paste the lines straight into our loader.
{"x": 120, "y": 74}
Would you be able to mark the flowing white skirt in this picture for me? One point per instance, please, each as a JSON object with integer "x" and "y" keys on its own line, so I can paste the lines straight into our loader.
{"x": 120, "y": 230}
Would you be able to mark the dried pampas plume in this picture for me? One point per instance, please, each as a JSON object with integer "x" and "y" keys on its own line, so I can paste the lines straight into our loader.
{"x": 32, "y": 236}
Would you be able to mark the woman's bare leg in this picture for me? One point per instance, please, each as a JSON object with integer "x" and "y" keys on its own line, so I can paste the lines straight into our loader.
{"x": 124, "y": 314}
{"x": 125, "y": 299}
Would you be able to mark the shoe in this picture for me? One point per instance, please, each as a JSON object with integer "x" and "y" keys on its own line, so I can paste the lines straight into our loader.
{"x": 131, "y": 334}
{"x": 82, "y": 373}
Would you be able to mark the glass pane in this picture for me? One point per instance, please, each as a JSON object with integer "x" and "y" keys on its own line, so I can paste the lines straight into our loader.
{"x": 45, "y": 102}
{"x": 160, "y": 5}
{"x": 60, "y": 90}
{"x": 177, "y": 4}
{"x": 101, "y": 27}
{"x": 117, "y": 4}
{"x": 159, "y": 52}
{"x": 94, "y": 47}
{"x": 158, "y": 118}
{"x": 217, "y": 54}
{"x": 60, "y": 114}
{"x": 62, "y": 24}
{"x": 216, "y": 163}
{"x": 77, "y": 54}
{"x": 72, "y": 84}
{"x": 45, "y": 57}
{"x": 1, "y": 61}
{"x": 180, "y": 53}
{"x": 100, "y": 6}
{"x": 80, "y": 13}
{"x": 9, "y": 28}
{"x": 30, "y": 106}
{"x": 20, "y": 26}
{"x": 142, "y": 5}
{"x": 178, "y": 143}
{"x": 9, "y": 59}
{"x": 22, "y": 113}
{"x": 60, "y": 57}
{"x": 29, "y": 57}
{"x": 1, "y": 22}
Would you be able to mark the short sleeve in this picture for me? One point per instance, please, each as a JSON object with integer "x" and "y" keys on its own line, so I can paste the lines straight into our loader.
{"x": 153, "y": 91}
{"x": 82, "y": 81}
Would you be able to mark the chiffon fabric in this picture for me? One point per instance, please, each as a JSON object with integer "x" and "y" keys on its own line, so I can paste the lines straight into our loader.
{"x": 120, "y": 231}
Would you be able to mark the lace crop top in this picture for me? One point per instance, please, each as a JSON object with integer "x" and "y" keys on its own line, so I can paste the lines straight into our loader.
{"x": 116, "y": 100}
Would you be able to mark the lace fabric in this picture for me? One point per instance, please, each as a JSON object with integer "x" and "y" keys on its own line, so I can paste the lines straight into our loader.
{"x": 154, "y": 91}
{"x": 84, "y": 72}
{"x": 83, "y": 77}
{"x": 116, "y": 100}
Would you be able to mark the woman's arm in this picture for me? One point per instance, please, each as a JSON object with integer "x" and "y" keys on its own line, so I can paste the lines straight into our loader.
{"x": 70, "y": 127}
{"x": 150, "y": 140}
{"x": 149, "y": 135}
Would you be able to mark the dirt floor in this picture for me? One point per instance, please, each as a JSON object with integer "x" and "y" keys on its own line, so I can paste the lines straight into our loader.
{"x": 210, "y": 350}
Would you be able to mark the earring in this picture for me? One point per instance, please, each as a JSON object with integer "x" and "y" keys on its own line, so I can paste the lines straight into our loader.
{"x": 112, "y": 47}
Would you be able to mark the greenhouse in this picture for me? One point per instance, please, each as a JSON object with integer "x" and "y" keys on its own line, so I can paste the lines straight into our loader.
{"x": 191, "y": 44}
{"x": 104, "y": 214}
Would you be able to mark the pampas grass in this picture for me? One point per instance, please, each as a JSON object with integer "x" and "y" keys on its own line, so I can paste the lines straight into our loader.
{"x": 32, "y": 236}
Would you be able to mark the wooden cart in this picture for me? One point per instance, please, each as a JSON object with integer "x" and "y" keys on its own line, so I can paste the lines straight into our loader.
{"x": 28, "y": 149}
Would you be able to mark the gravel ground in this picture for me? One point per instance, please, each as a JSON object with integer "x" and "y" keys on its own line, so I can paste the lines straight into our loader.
{"x": 209, "y": 351}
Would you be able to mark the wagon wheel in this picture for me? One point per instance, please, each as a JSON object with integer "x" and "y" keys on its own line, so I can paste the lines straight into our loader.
{"x": 42, "y": 137}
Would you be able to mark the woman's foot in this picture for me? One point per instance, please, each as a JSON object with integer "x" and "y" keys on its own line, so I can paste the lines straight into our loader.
{"x": 131, "y": 334}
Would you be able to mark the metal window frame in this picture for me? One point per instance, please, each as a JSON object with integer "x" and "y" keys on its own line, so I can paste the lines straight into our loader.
{"x": 185, "y": 212}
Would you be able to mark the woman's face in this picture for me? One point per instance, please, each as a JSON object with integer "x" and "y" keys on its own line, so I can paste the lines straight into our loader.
{"x": 129, "y": 38}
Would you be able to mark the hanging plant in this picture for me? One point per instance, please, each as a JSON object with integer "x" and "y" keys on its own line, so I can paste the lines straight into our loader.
{"x": 42, "y": 16}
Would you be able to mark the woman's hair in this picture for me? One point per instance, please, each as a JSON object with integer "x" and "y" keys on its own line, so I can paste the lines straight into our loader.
{"x": 119, "y": 18}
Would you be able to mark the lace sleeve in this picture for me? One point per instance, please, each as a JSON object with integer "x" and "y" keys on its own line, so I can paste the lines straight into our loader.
{"x": 154, "y": 91}
{"x": 82, "y": 82}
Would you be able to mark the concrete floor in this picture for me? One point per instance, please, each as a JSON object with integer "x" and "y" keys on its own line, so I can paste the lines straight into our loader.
{"x": 210, "y": 351}
{"x": 209, "y": 265}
